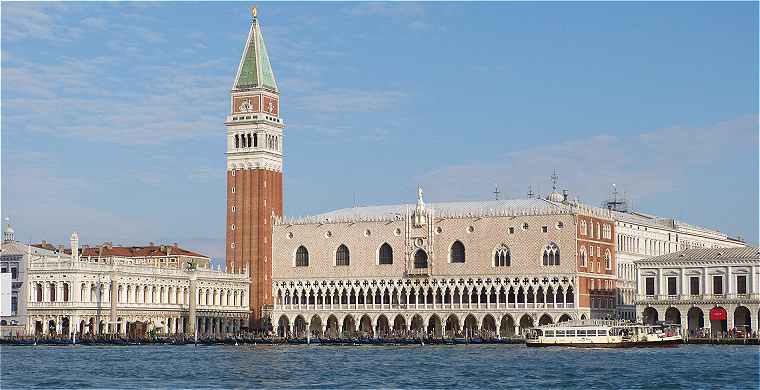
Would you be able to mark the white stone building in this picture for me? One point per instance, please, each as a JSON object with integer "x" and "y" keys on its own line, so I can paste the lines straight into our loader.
{"x": 640, "y": 236}
{"x": 715, "y": 288}
{"x": 14, "y": 260}
{"x": 64, "y": 293}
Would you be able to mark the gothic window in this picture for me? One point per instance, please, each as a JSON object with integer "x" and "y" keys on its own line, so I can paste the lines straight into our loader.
{"x": 551, "y": 254}
{"x": 420, "y": 259}
{"x": 255, "y": 140}
{"x": 342, "y": 256}
{"x": 302, "y": 257}
{"x": 582, "y": 256}
{"x": 385, "y": 254}
{"x": 607, "y": 260}
{"x": 457, "y": 252}
{"x": 502, "y": 257}
{"x": 237, "y": 141}
{"x": 583, "y": 227}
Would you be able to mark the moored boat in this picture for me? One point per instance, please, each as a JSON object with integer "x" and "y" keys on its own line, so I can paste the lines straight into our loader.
{"x": 603, "y": 334}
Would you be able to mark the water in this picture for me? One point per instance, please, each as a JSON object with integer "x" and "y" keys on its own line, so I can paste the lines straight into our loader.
{"x": 466, "y": 366}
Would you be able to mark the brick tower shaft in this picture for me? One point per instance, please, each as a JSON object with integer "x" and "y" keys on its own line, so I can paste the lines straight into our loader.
{"x": 254, "y": 170}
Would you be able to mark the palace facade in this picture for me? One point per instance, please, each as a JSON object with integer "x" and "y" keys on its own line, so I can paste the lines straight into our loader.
{"x": 123, "y": 290}
{"x": 641, "y": 236}
{"x": 494, "y": 266}
{"x": 711, "y": 289}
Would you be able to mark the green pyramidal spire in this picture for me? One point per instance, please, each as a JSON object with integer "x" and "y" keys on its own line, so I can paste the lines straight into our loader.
{"x": 254, "y": 70}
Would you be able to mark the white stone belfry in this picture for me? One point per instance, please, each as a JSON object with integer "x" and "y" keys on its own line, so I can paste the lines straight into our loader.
{"x": 8, "y": 231}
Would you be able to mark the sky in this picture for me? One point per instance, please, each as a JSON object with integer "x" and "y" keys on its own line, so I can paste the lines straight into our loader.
{"x": 113, "y": 113}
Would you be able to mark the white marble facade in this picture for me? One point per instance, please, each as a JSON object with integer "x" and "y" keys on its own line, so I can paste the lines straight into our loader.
{"x": 685, "y": 287}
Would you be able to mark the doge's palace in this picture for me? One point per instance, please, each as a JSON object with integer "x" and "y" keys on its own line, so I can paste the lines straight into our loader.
{"x": 442, "y": 269}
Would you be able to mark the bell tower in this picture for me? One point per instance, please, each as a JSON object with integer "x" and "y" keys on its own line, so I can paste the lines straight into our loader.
{"x": 254, "y": 169}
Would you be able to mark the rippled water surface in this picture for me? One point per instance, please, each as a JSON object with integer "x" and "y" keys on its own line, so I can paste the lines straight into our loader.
{"x": 494, "y": 366}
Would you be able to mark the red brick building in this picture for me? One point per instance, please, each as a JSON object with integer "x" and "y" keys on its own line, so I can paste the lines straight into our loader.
{"x": 596, "y": 264}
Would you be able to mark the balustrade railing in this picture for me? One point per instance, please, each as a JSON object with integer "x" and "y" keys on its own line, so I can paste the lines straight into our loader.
{"x": 697, "y": 297}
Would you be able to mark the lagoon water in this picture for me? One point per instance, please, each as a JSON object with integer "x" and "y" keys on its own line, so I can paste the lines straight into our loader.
{"x": 465, "y": 366}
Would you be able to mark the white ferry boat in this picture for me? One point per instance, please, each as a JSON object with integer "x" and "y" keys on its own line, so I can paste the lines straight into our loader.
{"x": 602, "y": 334}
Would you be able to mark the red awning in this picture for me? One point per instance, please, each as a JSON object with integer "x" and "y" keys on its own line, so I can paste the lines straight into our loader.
{"x": 718, "y": 313}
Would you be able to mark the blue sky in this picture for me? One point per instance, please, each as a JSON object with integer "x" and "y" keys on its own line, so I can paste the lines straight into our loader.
{"x": 112, "y": 113}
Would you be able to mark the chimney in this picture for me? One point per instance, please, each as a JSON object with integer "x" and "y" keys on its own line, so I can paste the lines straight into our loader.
{"x": 151, "y": 243}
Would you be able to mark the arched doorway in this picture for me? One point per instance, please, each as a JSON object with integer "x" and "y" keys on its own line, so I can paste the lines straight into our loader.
{"x": 718, "y": 320}
{"x": 315, "y": 326}
{"x": 507, "y": 326}
{"x": 470, "y": 324}
{"x": 399, "y": 323}
{"x": 38, "y": 328}
{"x": 283, "y": 326}
{"x": 696, "y": 320}
{"x": 417, "y": 325}
{"x": 564, "y": 318}
{"x": 673, "y": 316}
{"x": 383, "y": 326}
{"x": 434, "y": 326}
{"x": 526, "y": 322}
{"x": 742, "y": 319}
{"x": 488, "y": 327}
{"x": 332, "y": 327}
{"x": 51, "y": 327}
{"x": 545, "y": 320}
{"x": 300, "y": 327}
{"x": 365, "y": 326}
{"x": 650, "y": 316}
{"x": 452, "y": 326}
{"x": 65, "y": 326}
{"x": 349, "y": 326}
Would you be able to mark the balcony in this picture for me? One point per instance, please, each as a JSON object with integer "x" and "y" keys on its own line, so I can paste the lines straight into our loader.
{"x": 700, "y": 298}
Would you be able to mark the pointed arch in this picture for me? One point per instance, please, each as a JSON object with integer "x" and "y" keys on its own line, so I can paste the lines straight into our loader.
{"x": 551, "y": 254}
{"x": 582, "y": 257}
{"x": 342, "y": 256}
{"x": 302, "y": 257}
{"x": 457, "y": 252}
{"x": 502, "y": 256}
{"x": 420, "y": 259}
{"x": 385, "y": 254}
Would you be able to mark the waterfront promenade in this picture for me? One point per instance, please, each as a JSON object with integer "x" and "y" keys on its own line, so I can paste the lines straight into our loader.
{"x": 250, "y": 339}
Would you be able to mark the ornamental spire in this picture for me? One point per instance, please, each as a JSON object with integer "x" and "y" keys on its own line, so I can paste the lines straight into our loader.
{"x": 254, "y": 70}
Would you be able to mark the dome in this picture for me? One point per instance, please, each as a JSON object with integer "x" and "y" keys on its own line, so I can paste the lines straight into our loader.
{"x": 555, "y": 197}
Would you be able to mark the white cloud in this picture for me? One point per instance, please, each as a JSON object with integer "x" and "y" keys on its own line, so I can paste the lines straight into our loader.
{"x": 651, "y": 163}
